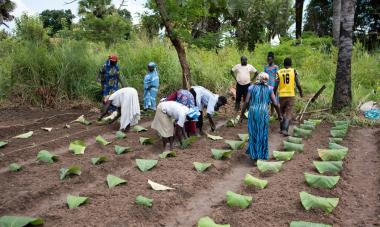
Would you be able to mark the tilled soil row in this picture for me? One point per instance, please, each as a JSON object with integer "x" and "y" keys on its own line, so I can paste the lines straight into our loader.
{"x": 35, "y": 194}
{"x": 279, "y": 203}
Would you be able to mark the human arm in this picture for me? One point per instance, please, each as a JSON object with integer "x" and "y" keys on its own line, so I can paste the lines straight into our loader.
{"x": 275, "y": 104}
{"x": 120, "y": 80}
{"x": 105, "y": 108}
{"x": 233, "y": 70}
{"x": 212, "y": 124}
{"x": 253, "y": 70}
{"x": 298, "y": 84}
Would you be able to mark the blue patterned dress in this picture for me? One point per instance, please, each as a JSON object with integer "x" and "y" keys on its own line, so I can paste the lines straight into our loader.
{"x": 110, "y": 82}
{"x": 258, "y": 121}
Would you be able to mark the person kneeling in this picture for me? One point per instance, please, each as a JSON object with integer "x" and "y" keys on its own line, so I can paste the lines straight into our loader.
{"x": 128, "y": 108}
{"x": 163, "y": 121}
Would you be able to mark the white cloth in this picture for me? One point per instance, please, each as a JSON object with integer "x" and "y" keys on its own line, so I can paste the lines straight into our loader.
{"x": 205, "y": 99}
{"x": 176, "y": 111}
{"x": 128, "y": 101}
{"x": 162, "y": 123}
{"x": 243, "y": 73}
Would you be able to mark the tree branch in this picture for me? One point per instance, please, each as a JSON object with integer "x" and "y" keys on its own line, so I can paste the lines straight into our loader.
{"x": 66, "y": 3}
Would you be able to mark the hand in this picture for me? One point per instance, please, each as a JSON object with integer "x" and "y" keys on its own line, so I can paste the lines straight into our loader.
{"x": 212, "y": 126}
{"x": 280, "y": 118}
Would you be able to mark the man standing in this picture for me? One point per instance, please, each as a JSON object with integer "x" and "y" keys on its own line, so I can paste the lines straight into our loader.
{"x": 288, "y": 80}
{"x": 242, "y": 74}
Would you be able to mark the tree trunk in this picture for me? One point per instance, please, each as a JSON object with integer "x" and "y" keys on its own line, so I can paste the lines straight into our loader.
{"x": 342, "y": 92}
{"x": 299, "y": 12}
{"x": 336, "y": 21}
{"x": 181, "y": 52}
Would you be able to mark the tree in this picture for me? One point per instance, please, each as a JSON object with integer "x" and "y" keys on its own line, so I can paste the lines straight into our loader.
{"x": 336, "y": 21}
{"x": 299, "y": 14}
{"x": 56, "y": 20}
{"x": 151, "y": 24}
{"x": 342, "y": 92}
{"x": 318, "y": 14}
{"x": 30, "y": 28}
{"x": 6, "y": 7}
{"x": 108, "y": 29}
{"x": 98, "y": 8}
{"x": 367, "y": 23}
{"x": 177, "y": 43}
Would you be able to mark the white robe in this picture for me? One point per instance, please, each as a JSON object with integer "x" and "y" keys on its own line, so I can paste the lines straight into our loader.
{"x": 128, "y": 100}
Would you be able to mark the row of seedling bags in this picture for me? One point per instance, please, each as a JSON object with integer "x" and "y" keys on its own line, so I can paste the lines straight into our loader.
{"x": 332, "y": 162}
{"x": 291, "y": 146}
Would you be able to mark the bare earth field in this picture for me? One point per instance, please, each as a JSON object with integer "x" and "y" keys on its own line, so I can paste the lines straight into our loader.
{"x": 37, "y": 190}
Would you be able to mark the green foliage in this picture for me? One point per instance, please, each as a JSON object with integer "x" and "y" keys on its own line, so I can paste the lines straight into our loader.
{"x": 250, "y": 180}
{"x": 141, "y": 200}
{"x": 318, "y": 181}
{"x": 121, "y": 150}
{"x": 14, "y": 167}
{"x": 220, "y": 154}
{"x": 102, "y": 141}
{"x": 310, "y": 201}
{"x": 201, "y": 166}
{"x": 332, "y": 154}
{"x": 319, "y": 17}
{"x": 186, "y": 143}
{"x": 56, "y": 20}
{"x": 139, "y": 128}
{"x": 113, "y": 181}
{"x": 328, "y": 166}
{"x": 46, "y": 156}
{"x": 72, "y": 170}
{"x": 237, "y": 200}
{"x": 208, "y": 222}
{"x": 145, "y": 141}
{"x": 3, "y": 143}
{"x": 6, "y": 8}
{"x": 265, "y": 166}
{"x": 98, "y": 160}
{"x": 19, "y": 221}
{"x": 283, "y": 156}
{"x": 75, "y": 201}
{"x": 77, "y": 147}
{"x": 30, "y": 28}
{"x": 166, "y": 154}
{"x": 146, "y": 164}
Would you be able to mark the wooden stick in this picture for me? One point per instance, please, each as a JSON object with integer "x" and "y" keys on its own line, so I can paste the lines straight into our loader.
{"x": 311, "y": 100}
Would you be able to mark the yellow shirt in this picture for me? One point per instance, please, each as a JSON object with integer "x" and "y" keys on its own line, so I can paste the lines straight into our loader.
{"x": 287, "y": 81}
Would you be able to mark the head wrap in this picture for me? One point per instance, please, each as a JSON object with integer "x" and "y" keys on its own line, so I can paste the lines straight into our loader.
{"x": 262, "y": 78}
{"x": 152, "y": 64}
{"x": 112, "y": 57}
{"x": 193, "y": 113}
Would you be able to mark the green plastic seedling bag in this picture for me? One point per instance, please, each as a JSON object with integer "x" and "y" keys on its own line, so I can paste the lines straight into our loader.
{"x": 347, "y": 123}
{"x": 235, "y": 144}
{"x": 306, "y": 122}
{"x": 304, "y": 133}
{"x": 307, "y": 126}
{"x": 307, "y": 224}
{"x": 315, "y": 121}
{"x": 332, "y": 154}
{"x": 292, "y": 139}
{"x": 237, "y": 200}
{"x": 335, "y": 140}
{"x": 19, "y": 221}
{"x": 340, "y": 133}
{"x": 310, "y": 201}
{"x": 293, "y": 146}
{"x": 283, "y": 155}
{"x": 221, "y": 153}
{"x": 208, "y": 222}
{"x": 318, "y": 181}
{"x": 337, "y": 146}
{"x": 328, "y": 166}
{"x": 265, "y": 166}
{"x": 250, "y": 180}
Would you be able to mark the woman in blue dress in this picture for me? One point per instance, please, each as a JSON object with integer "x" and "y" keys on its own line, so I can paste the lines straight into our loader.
{"x": 258, "y": 98}
{"x": 151, "y": 85}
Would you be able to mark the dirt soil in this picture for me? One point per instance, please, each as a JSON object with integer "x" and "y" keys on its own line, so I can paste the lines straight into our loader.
{"x": 37, "y": 190}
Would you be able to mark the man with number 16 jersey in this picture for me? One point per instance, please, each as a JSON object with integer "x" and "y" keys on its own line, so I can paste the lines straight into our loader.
{"x": 287, "y": 81}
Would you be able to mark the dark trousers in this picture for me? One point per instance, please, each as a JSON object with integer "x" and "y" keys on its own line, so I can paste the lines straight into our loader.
{"x": 241, "y": 92}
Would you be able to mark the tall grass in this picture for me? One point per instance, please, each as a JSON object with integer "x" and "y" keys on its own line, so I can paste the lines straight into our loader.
{"x": 60, "y": 70}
